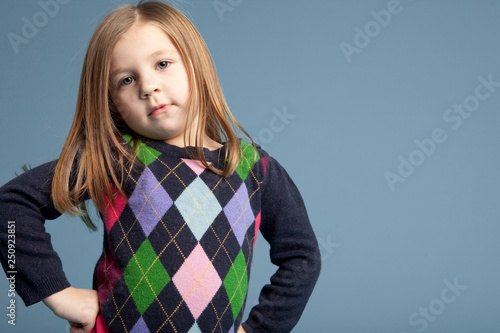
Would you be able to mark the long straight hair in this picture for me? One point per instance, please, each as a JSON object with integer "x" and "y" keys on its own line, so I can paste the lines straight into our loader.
{"x": 94, "y": 160}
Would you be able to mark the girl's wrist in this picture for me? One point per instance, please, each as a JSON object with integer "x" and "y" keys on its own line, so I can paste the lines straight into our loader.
{"x": 52, "y": 300}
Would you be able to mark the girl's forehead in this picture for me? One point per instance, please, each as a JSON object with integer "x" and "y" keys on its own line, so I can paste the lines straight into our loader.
{"x": 143, "y": 38}
{"x": 143, "y": 41}
{"x": 144, "y": 30}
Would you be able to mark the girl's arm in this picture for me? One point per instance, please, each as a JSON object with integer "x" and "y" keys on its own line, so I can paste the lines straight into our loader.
{"x": 78, "y": 306}
{"x": 26, "y": 251}
{"x": 294, "y": 249}
{"x": 24, "y": 206}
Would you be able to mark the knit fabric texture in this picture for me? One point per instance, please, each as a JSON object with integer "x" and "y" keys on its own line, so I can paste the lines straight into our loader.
{"x": 179, "y": 247}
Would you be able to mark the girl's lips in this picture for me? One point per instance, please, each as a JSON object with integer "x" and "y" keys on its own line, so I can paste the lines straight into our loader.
{"x": 160, "y": 109}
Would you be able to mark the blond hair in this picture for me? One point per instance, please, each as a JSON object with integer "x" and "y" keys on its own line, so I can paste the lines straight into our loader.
{"x": 94, "y": 140}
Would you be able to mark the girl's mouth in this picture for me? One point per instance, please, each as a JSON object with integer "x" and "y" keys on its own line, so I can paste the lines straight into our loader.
{"x": 159, "y": 109}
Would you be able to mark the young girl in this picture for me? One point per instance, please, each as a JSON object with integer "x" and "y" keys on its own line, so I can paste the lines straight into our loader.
{"x": 153, "y": 144}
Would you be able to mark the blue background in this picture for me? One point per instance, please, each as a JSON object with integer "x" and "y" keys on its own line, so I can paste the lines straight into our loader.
{"x": 387, "y": 253}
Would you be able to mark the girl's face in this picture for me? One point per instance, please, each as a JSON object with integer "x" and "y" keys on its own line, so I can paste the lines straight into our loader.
{"x": 149, "y": 84}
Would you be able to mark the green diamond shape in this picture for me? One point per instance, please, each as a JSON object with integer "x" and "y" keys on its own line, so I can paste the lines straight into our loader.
{"x": 236, "y": 284}
{"x": 248, "y": 154}
{"x": 145, "y": 276}
{"x": 145, "y": 153}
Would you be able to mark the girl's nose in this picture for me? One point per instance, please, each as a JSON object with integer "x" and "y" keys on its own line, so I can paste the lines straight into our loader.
{"x": 148, "y": 87}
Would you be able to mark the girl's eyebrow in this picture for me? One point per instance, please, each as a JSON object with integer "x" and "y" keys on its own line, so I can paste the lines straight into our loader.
{"x": 165, "y": 51}
{"x": 153, "y": 55}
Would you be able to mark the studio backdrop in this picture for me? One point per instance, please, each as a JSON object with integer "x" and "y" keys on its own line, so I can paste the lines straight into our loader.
{"x": 386, "y": 114}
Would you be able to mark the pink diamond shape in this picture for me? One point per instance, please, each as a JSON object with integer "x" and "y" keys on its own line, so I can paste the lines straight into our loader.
{"x": 257, "y": 226}
{"x": 108, "y": 273}
{"x": 111, "y": 213}
{"x": 197, "y": 281}
{"x": 264, "y": 164}
{"x": 195, "y": 165}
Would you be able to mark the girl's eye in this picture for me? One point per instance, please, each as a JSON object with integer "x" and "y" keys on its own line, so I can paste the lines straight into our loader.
{"x": 163, "y": 64}
{"x": 126, "y": 81}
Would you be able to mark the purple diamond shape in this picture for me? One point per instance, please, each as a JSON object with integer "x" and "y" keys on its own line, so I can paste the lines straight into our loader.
{"x": 140, "y": 327}
{"x": 239, "y": 213}
{"x": 149, "y": 201}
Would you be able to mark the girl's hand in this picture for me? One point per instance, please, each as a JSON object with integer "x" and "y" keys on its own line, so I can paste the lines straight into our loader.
{"x": 78, "y": 306}
{"x": 241, "y": 330}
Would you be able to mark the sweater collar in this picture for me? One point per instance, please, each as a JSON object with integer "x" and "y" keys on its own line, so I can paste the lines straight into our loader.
{"x": 181, "y": 152}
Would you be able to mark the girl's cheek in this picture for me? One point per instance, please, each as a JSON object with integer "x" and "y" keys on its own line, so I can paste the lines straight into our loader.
{"x": 121, "y": 109}
{"x": 124, "y": 113}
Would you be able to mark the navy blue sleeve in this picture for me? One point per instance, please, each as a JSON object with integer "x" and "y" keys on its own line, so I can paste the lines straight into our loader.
{"x": 294, "y": 249}
{"x": 25, "y": 246}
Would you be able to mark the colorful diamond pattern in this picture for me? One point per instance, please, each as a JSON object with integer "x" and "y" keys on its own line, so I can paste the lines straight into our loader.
{"x": 239, "y": 213}
{"x": 169, "y": 312}
{"x": 264, "y": 164}
{"x": 109, "y": 272}
{"x": 248, "y": 153}
{"x": 257, "y": 226}
{"x": 145, "y": 153}
{"x": 195, "y": 329}
{"x": 236, "y": 284}
{"x": 198, "y": 206}
{"x": 155, "y": 304}
{"x": 197, "y": 281}
{"x": 195, "y": 165}
{"x": 145, "y": 276}
{"x": 112, "y": 212}
{"x": 140, "y": 327}
{"x": 149, "y": 201}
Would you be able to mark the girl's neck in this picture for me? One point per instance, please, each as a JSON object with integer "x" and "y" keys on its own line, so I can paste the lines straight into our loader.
{"x": 207, "y": 143}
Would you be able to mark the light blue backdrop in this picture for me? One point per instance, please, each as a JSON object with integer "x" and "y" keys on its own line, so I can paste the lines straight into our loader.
{"x": 385, "y": 113}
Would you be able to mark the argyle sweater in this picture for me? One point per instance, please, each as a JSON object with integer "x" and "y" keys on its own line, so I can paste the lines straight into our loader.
{"x": 177, "y": 248}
